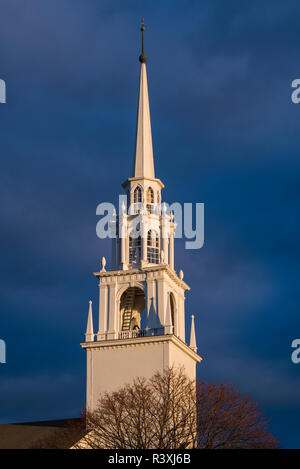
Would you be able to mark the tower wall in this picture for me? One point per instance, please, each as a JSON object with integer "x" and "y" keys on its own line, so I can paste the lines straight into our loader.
{"x": 113, "y": 364}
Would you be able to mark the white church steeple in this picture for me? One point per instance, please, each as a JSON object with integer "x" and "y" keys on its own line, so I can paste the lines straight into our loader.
{"x": 141, "y": 297}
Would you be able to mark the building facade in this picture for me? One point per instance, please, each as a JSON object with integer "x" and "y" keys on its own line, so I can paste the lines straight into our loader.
{"x": 141, "y": 327}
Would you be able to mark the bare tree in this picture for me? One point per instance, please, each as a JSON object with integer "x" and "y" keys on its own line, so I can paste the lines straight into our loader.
{"x": 171, "y": 411}
{"x": 168, "y": 411}
{"x": 155, "y": 413}
{"x": 228, "y": 419}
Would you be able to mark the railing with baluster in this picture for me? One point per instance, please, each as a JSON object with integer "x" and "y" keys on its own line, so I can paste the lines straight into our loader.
{"x": 141, "y": 333}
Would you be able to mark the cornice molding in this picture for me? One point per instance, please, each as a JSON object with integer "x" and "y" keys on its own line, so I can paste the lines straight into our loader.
{"x": 142, "y": 341}
{"x": 157, "y": 268}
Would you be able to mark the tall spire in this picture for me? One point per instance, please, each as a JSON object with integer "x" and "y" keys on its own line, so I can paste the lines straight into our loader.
{"x": 143, "y": 165}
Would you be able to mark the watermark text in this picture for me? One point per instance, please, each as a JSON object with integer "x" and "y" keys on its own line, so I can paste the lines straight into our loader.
{"x": 2, "y": 351}
{"x": 296, "y": 93}
{"x": 296, "y": 353}
{"x": 181, "y": 220}
{"x": 2, "y": 91}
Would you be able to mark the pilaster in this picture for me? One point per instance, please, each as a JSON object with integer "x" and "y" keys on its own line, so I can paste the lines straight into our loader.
{"x": 103, "y": 312}
{"x": 113, "y": 312}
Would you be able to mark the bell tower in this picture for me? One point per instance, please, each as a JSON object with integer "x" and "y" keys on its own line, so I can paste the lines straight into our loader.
{"x": 142, "y": 298}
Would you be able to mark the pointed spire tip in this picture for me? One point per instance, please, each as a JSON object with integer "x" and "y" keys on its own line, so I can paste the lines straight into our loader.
{"x": 143, "y": 57}
{"x": 143, "y": 165}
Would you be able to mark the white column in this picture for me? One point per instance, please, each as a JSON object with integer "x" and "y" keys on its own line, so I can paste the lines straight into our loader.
{"x": 144, "y": 248}
{"x": 172, "y": 247}
{"x": 118, "y": 251}
{"x": 127, "y": 250}
{"x": 144, "y": 233}
{"x": 113, "y": 242}
{"x": 89, "y": 379}
{"x": 123, "y": 235}
{"x": 112, "y": 315}
{"x": 103, "y": 303}
{"x": 165, "y": 232}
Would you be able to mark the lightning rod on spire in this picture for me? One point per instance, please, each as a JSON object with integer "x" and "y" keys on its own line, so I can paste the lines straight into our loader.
{"x": 143, "y": 57}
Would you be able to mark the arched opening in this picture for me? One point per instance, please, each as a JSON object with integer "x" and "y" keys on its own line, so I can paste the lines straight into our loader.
{"x": 153, "y": 247}
{"x": 150, "y": 196}
{"x": 138, "y": 196}
{"x": 132, "y": 305}
{"x": 135, "y": 245}
{"x": 136, "y": 207}
{"x": 135, "y": 250}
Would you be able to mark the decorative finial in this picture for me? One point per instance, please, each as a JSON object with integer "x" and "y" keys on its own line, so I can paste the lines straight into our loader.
{"x": 143, "y": 57}
{"x": 193, "y": 343}
{"x": 103, "y": 263}
{"x": 181, "y": 274}
{"x": 89, "y": 335}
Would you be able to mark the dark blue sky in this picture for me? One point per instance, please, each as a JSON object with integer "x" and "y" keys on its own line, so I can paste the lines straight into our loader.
{"x": 225, "y": 133}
